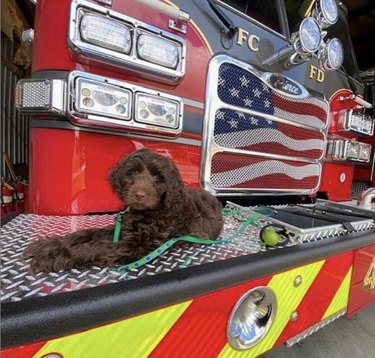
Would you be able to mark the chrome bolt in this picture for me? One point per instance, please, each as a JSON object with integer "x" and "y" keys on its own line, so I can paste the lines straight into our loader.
{"x": 294, "y": 316}
{"x": 297, "y": 281}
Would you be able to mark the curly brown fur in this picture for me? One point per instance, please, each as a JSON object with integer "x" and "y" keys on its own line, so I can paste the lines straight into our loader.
{"x": 159, "y": 207}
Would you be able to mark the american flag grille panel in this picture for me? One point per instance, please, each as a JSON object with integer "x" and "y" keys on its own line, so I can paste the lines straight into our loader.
{"x": 235, "y": 129}
{"x": 258, "y": 138}
{"x": 241, "y": 88}
{"x": 245, "y": 171}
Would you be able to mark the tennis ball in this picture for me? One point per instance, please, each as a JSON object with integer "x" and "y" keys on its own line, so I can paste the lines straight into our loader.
{"x": 270, "y": 237}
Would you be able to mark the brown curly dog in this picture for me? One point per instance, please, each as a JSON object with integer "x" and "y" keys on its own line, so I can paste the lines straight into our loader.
{"x": 159, "y": 207}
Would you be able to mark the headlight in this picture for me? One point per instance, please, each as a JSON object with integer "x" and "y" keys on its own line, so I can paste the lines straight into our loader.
{"x": 156, "y": 110}
{"x": 104, "y": 32}
{"x": 351, "y": 150}
{"x": 368, "y": 125}
{"x": 365, "y": 152}
{"x": 308, "y": 38}
{"x": 105, "y": 102}
{"x": 158, "y": 50}
{"x": 102, "y": 99}
{"x": 357, "y": 122}
{"x": 331, "y": 56}
{"x": 327, "y": 12}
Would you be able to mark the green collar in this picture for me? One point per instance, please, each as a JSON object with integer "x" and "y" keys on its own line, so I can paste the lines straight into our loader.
{"x": 117, "y": 230}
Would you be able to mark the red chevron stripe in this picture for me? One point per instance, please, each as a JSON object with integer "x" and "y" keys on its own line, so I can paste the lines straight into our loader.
{"x": 22, "y": 351}
{"x": 201, "y": 330}
{"x": 319, "y": 296}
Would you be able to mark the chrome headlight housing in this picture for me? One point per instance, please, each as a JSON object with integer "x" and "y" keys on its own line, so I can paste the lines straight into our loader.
{"x": 101, "y": 36}
{"x": 308, "y": 39}
{"x": 93, "y": 97}
{"x": 97, "y": 101}
{"x": 357, "y": 122}
{"x": 326, "y": 12}
{"x": 331, "y": 56}
{"x": 349, "y": 150}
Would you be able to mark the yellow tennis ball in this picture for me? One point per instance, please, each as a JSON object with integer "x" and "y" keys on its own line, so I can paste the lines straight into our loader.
{"x": 270, "y": 237}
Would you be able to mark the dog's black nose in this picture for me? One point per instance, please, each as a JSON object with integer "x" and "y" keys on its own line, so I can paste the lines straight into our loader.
{"x": 140, "y": 194}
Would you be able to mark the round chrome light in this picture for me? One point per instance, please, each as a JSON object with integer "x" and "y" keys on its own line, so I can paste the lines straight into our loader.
{"x": 310, "y": 35}
{"x": 332, "y": 55}
{"x": 329, "y": 11}
{"x": 251, "y": 318}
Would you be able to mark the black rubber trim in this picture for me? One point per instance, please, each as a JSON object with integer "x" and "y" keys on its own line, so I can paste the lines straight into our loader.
{"x": 42, "y": 318}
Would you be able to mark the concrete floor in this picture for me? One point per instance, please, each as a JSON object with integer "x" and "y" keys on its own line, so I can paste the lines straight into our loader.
{"x": 344, "y": 338}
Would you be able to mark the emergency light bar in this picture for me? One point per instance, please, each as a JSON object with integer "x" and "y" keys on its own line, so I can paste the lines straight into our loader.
{"x": 104, "y": 36}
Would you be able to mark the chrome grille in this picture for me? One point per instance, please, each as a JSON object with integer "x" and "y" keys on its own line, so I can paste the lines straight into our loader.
{"x": 258, "y": 139}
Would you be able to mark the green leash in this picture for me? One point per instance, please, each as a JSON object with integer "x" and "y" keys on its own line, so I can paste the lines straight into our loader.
{"x": 168, "y": 244}
{"x": 164, "y": 247}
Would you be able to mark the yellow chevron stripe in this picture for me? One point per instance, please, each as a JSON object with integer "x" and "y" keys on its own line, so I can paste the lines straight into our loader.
{"x": 288, "y": 299}
{"x": 340, "y": 300}
{"x": 138, "y": 335}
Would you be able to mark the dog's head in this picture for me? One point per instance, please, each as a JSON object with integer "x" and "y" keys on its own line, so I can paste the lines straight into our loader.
{"x": 144, "y": 180}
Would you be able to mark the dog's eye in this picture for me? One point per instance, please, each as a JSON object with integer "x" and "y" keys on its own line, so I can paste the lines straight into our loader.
{"x": 158, "y": 178}
{"x": 131, "y": 172}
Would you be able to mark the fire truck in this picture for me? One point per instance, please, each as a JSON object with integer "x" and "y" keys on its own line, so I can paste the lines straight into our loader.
{"x": 258, "y": 102}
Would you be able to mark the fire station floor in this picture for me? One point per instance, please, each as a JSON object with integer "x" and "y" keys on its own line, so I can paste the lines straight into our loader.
{"x": 344, "y": 338}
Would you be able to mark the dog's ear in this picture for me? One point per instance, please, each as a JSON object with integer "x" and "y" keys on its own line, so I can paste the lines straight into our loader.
{"x": 114, "y": 178}
{"x": 175, "y": 188}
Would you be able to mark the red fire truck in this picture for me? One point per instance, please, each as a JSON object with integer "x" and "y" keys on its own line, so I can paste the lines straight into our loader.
{"x": 258, "y": 102}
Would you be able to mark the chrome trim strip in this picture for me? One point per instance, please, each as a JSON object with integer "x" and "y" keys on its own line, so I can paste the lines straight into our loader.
{"x": 131, "y": 61}
{"x": 192, "y": 103}
{"x": 56, "y": 124}
{"x": 299, "y": 337}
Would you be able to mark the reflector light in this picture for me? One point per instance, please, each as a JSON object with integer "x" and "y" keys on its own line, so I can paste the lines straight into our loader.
{"x": 105, "y": 32}
{"x": 102, "y": 99}
{"x": 33, "y": 95}
{"x": 156, "y": 110}
{"x": 158, "y": 50}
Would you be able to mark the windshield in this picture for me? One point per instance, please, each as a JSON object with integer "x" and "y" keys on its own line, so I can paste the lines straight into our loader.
{"x": 298, "y": 9}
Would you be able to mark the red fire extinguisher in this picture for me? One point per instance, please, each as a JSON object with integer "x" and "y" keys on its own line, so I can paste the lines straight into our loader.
{"x": 19, "y": 197}
{"x": 6, "y": 198}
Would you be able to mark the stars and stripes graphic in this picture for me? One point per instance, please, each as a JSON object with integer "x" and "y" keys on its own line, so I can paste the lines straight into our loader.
{"x": 234, "y": 129}
{"x": 229, "y": 170}
{"x": 282, "y": 137}
{"x": 241, "y": 88}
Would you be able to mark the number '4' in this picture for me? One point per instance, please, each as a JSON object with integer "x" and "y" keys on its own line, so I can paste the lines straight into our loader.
{"x": 369, "y": 280}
